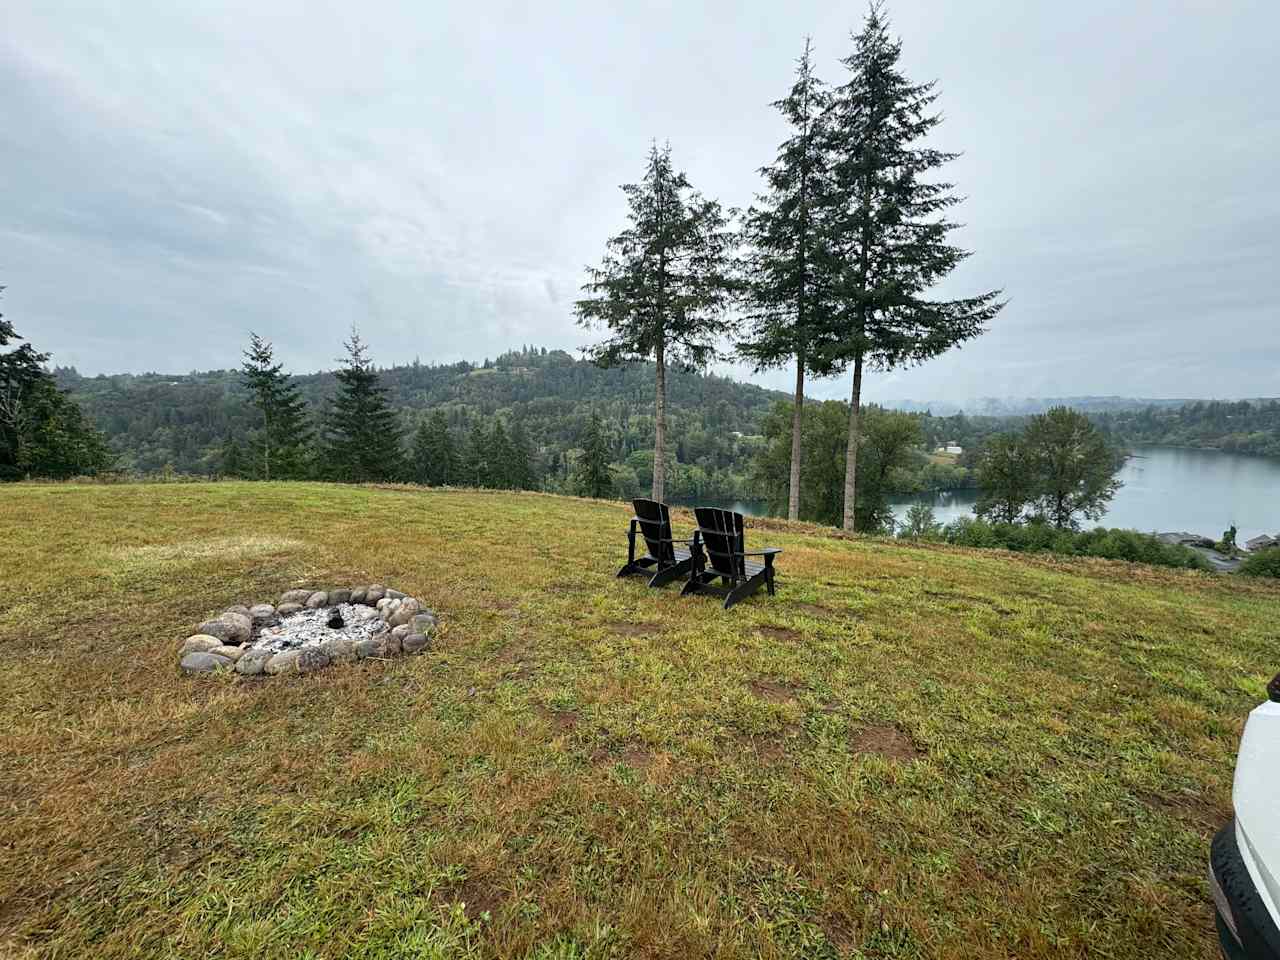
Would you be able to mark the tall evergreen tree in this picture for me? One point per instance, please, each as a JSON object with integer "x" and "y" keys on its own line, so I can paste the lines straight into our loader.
{"x": 435, "y": 461}
{"x": 43, "y": 432}
{"x": 595, "y": 479}
{"x": 500, "y": 466}
{"x": 521, "y": 458}
{"x": 361, "y": 440}
{"x": 284, "y": 437}
{"x": 664, "y": 285}
{"x": 476, "y": 469}
{"x": 232, "y": 458}
{"x": 889, "y": 227}
{"x": 789, "y": 260}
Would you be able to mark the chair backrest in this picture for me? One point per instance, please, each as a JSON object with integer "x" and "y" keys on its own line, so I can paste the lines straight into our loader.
{"x": 722, "y": 539}
{"x": 655, "y": 527}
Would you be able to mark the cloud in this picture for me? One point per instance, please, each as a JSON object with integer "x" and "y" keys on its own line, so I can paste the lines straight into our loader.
{"x": 439, "y": 175}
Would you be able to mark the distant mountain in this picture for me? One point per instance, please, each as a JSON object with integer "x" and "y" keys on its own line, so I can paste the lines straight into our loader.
{"x": 1026, "y": 406}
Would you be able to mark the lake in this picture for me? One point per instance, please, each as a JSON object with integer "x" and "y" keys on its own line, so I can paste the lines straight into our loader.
{"x": 1172, "y": 488}
{"x": 1165, "y": 488}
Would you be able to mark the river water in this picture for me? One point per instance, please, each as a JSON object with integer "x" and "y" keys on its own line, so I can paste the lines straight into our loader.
{"x": 1165, "y": 489}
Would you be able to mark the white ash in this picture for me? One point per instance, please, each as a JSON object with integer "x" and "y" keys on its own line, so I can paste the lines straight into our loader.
{"x": 308, "y": 628}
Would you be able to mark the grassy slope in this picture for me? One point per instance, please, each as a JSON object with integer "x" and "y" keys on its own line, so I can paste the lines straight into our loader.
{"x": 555, "y": 780}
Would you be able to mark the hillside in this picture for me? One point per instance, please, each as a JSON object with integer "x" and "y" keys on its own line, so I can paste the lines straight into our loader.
{"x": 909, "y": 752}
{"x": 154, "y": 420}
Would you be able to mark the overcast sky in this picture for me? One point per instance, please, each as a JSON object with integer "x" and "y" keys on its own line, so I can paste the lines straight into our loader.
{"x": 175, "y": 174}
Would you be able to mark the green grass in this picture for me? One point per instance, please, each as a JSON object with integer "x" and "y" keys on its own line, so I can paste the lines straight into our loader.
{"x": 583, "y": 767}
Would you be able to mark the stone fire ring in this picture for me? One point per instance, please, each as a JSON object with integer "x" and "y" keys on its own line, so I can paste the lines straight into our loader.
{"x": 309, "y": 630}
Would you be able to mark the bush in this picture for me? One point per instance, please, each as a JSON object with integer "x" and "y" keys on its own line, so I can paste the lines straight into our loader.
{"x": 1039, "y": 537}
{"x": 1264, "y": 563}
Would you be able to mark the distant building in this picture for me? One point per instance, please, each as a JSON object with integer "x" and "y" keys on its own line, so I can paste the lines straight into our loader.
{"x": 1261, "y": 542}
{"x": 953, "y": 448}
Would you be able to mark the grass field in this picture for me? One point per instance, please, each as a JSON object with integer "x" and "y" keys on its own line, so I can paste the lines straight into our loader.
{"x": 909, "y": 752}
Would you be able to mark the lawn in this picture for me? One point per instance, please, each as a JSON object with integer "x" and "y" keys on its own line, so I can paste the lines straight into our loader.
{"x": 909, "y": 752}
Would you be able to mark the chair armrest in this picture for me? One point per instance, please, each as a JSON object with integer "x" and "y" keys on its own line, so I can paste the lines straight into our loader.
{"x": 766, "y": 552}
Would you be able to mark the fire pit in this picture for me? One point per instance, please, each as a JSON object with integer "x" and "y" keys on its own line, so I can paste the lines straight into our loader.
{"x": 309, "y": 630}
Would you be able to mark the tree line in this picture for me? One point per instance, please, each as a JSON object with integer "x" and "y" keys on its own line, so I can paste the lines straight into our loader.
{"x": 831, "y": 267}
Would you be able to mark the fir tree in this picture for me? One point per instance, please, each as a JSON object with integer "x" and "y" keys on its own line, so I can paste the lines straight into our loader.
{"x": 476, "y": 469}
{"x": 434, "y": 458}
{"x": 521, "y": 472}
{"x": 361, "y": 439}
{"x": 663, "y": 287}
{"x": 232, "y": 458}
{"x": 595, "y": 479}
{"x": 888, "y": 228}
{"x": 499, "y": 456}
{"x": 284, "y": 437}
{"x": 790, "y": 263}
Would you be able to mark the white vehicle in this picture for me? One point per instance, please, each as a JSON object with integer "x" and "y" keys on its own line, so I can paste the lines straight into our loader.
{"x": 1244, "y": 861}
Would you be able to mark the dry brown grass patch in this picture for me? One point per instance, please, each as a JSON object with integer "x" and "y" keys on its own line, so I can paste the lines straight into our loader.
{"x": 885, "y": 741}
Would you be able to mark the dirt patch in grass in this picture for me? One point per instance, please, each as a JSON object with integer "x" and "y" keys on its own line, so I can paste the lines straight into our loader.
{"x": 771, "y": 747}
{"x": 562, "y": 721}
{"x": 478, "y": 896}
{"x": 814, "y": 610}
{"x": 885, "y": 741}
{"x": 628, "y": 628}
{"x": 634, "y": 755}
{"x": 785, "y": 634}
{"x": 1190, "y": 808}
{"x": 773, "y": 691}
{"x": 840, "y": 932}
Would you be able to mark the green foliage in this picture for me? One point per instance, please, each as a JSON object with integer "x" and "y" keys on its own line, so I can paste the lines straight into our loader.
{"x": 361, "y": 436}
{"x": 1059, "y": 467}
{"x": 1041, "y": 537}
{"x": 1241, "y": 426}
{"x": 434, "y": 457}
{"x": 920, "y": 524}
{"x": 43, "y": 432}
{"x": 282, "y": 442}
{"x": 889, "y": 442}
{"x": 888, "y": 227}
{"x": 664, "y": 285}
{"x": 1264, "y": 563}
{"x": 594, "y": 476}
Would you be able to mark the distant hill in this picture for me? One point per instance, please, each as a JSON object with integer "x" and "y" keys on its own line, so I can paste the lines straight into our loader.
{"x": 1027, "y": 406}
{"x": 183, "y": 420}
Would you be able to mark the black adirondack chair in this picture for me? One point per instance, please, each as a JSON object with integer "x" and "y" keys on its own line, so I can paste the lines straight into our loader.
{"x": 666, "y": 558}
{"x": 719, "y": 553}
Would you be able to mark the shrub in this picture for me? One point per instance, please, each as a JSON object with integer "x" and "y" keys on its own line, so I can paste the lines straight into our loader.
{"x": 1040, "y": 537}
{"x": 1264, "y": 563}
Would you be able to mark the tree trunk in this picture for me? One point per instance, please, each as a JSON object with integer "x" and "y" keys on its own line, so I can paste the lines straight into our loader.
{"x": 797, "y": 421}
{"x": 660, "y": 425}
{"x": 851, "y": 458}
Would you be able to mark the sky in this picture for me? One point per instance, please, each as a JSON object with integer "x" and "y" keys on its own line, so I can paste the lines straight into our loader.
{"x": 176, "y": 174}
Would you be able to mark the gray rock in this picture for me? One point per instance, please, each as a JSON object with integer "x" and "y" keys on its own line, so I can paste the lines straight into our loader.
{"x": 223, "y": 631}
{"x": 312, "y": 658}
{"x": 424, "y": 622}
{"x": 241, "y": 627}
{"x": 384, "y": 603}
{"x": 401, "y": 631}
{"x": 368, "y": 648}
{"x": 396, "y": 594}
{"x": 404, "y": 612}
{"x": 295, "y": 596}
{"x": 199, "y": 643}
{"x": 204, "y": 663}
{"x": 391, "y": 646}
{"x": 367, "y": 613}
{"x": 317, "y": 599}
{"x": 374, "y": 594}
{"x": 286, "y": 662}
{"x": 240, "y": 609}
{"x": 288, "y": 609}
{"x": 253, "y": 662}
{"x": 231, "y": 653}
{"x": 339, "y": 596}
{"x": 357, "y": 596}
{"x": 339, "y": 651}
{"x": 414, "y": 643}
{"x": 262, "y": 613}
